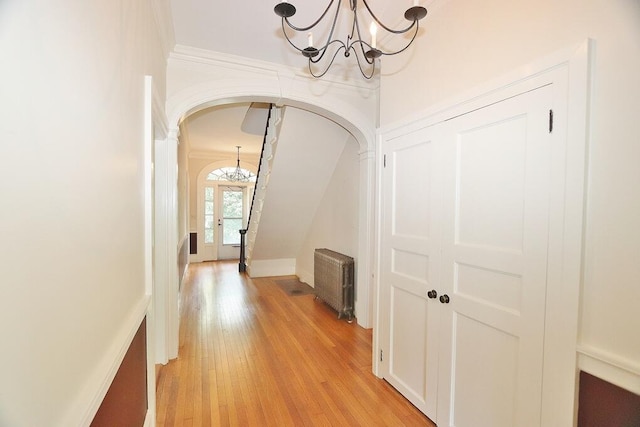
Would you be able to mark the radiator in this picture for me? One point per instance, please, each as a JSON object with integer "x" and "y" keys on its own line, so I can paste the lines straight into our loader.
{"x": 333, "y": 280}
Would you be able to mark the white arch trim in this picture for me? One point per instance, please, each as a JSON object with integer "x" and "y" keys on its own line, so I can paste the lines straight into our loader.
{"x": 270, "y": 90}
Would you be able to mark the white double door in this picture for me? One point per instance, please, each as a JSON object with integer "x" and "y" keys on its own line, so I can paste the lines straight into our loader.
{"x": 464, "y": 263}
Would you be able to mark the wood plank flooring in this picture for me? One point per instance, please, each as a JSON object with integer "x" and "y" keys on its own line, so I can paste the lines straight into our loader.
{"x": 251, "y": 355}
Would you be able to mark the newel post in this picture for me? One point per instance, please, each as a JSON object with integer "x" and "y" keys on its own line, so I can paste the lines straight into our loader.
{"x": 242, "y": 265}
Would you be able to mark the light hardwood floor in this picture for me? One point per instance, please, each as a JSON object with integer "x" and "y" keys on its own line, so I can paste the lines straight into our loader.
{"x": 250, "y": 355}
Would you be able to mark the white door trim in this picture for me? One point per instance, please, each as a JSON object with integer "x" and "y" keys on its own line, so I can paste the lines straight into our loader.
{"x": 568, "y": 71}
{"x": 154, "y": 127}
{"x": 166, "y": 249}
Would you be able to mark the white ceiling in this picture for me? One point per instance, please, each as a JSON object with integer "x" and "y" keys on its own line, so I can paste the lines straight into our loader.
{"x": 219, "y": 129}
{"x": 250, "y": 28}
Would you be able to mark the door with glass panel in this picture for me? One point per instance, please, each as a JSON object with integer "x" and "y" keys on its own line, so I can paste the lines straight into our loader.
{"x": 231, "y": 202}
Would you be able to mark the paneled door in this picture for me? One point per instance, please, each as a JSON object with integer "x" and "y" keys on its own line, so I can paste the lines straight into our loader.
{"x": 494, "y": 263}
{"x": 465, "y": 225}
{"x": 410, "y": 267}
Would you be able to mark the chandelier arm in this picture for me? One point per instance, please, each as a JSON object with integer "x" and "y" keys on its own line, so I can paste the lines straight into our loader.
{"x": 372, "y": 63}
{"x": 324, "y": 50}
{"x": 315, "y": 23}
{"x": 384, "y": 26}
{"x": 287, "y": 37}
{"x": 356, "y": 27}
{"x": 328, "y": 66}
{"x": 407, "y": 46}
{"x": 362, "y": 44}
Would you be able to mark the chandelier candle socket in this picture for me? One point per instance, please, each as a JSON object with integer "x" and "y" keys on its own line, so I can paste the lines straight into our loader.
{"x": 364, "y": 52}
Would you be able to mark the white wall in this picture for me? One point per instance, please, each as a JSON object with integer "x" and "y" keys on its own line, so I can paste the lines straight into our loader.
{"x": 335, "y": 225}
{"x": 466, "y": 43}
{"x": 72, "y": 187}
{"x": 309, "y": 147}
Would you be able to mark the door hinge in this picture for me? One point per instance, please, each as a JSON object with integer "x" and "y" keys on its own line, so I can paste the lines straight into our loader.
{"x": 381, "y": 355}
{"x": 384, "y": 161}
{"x": 550, "y": 121}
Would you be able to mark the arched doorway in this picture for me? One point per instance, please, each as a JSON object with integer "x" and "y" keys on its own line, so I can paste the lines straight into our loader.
{"x": 332, "y": 106}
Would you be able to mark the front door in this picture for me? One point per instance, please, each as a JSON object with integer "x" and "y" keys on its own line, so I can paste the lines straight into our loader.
{"x": 231, "y": 219}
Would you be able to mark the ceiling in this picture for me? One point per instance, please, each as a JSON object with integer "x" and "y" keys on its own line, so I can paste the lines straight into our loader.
{"x": 220, "y": 128}
{"x": 250, "y": 28}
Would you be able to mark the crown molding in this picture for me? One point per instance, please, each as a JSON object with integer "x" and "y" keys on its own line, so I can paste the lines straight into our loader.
{"x": 242, "y": 63}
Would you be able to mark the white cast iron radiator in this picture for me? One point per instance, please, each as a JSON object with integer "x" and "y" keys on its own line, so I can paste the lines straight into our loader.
{"x": 333, "y": 279}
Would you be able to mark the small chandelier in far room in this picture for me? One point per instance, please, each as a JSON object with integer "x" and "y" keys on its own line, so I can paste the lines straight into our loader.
{"x": 238, "y": 174}
{"x": 365, "y": 53}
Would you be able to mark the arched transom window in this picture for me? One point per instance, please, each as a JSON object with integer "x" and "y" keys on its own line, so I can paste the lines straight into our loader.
{"x": 231, "y": 174}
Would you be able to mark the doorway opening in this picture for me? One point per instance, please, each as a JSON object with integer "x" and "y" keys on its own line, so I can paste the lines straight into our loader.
{"x": 223, "y": 209}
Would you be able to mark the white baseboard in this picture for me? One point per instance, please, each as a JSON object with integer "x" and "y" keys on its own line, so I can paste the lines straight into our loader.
{"x": 272, "y": 267}
{"x": 149, "y": 418}
{"x": 306, "y": 277}
{"x": 609, "y": 367}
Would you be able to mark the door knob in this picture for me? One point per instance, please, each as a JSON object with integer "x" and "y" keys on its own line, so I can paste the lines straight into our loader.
{"x": 444, "y": 299}
{"x": 432, "y": 294}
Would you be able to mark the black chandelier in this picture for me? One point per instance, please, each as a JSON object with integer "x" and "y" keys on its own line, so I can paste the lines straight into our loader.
{"x": 364, "y": 52}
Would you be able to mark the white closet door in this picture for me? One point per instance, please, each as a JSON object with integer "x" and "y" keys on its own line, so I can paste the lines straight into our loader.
{"x": 494, "y": 263}
{"x": 410, "y": 261}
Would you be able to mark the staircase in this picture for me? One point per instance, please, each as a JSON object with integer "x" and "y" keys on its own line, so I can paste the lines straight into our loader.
{"x": 291, "y": 187}
{"x": 269, "y": 145}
